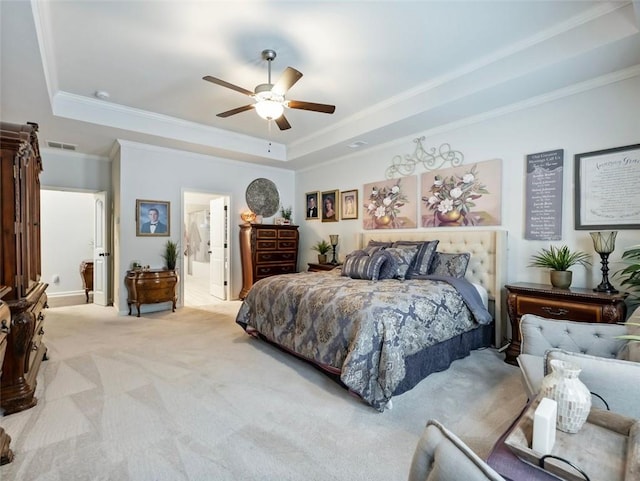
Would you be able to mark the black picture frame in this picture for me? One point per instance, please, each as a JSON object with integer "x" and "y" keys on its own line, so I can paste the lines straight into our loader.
{"x": 144, "y": 213}
{"x": 606, "y": 181}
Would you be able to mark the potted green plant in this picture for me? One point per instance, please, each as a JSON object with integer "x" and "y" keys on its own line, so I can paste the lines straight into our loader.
{"x": 286, "y": 214}
{"x": 630, "y": 275}
{"x": 170, "y": 254}
{"x": 559, "y": 260}
{"x": 322, "y": 247}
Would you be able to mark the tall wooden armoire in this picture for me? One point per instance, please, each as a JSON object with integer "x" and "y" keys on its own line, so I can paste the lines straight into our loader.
{"x": 20, "y": 264}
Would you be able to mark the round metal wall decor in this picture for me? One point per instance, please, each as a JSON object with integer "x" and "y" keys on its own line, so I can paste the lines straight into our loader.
{"x": 262, "y": 197}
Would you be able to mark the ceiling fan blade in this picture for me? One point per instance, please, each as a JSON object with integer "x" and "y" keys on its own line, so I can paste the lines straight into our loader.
{"x": 324, "y": 108}
{"x": 217, "y": 81}
{"x": 238, "y": 110}
{"x": 282, "y": 123}
{"x": 288, "y": 78}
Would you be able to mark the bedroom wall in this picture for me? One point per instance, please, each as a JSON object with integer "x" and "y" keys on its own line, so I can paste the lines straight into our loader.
{"x": 596, "y": 119}
{"x": 156, "y": 173}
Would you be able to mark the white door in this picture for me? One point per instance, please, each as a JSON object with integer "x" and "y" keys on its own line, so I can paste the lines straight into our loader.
{"x": 101, "y": 254}
{"x": 218, "y": 263}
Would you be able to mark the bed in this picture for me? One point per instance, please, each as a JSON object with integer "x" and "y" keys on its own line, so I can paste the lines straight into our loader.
{"x": 380, "y": 338}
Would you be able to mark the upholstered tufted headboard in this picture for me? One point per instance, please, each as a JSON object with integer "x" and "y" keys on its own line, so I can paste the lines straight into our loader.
{"x": 487, "y": 267}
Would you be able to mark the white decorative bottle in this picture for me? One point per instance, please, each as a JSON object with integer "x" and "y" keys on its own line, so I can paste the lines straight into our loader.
{"x": 573, "y": 397}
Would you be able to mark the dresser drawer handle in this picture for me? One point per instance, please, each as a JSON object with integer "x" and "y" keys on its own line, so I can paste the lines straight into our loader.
{"x": 555, "y": 312}
{"x": 40, "y": 316}
{"x": 41, "y": 332}
{"x": 4, "y": 328}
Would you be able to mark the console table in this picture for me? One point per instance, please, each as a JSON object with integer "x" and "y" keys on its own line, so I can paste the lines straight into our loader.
{"x": 151, "y": 286}
{"x": 573, "y": 304}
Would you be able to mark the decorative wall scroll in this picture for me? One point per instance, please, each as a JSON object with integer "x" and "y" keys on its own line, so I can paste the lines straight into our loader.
{"x": 543, "y": 209}
{"x": 462, "y": 196}
{"x": 606, "y": 187}
{"x": 430, "y": 160}
{"x": 390, "y": 204}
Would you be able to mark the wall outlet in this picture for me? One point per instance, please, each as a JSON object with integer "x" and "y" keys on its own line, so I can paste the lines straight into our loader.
{"x": 55, "y": 279}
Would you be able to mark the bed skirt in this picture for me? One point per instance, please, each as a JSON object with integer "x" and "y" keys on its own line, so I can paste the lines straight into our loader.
{"x": 440, "y": 356}
{"x": 418, "y": 366}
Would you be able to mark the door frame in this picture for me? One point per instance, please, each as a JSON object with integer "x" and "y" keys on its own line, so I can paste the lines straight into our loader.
{"x": 208, "y": 195}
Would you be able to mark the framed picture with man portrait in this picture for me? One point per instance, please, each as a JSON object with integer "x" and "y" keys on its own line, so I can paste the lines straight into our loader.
{"x": 330, "y": 212}
{"x": 349, "y": 204}
{"x": 312, "y": 202}
{"x": 152, "y": 218}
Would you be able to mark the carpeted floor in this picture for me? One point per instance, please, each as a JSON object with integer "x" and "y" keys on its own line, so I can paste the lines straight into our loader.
{"x": 189, "y": 396}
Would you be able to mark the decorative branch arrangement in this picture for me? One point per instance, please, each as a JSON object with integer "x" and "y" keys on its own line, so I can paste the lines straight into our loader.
{"x": 431, "y": 160}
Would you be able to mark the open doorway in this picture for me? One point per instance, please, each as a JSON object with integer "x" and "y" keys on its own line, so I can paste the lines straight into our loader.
{"x": 74, "y": 247}
{"x": 205, "y": 273}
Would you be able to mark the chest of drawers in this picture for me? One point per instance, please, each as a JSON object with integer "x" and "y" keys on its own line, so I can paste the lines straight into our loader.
{"x": 267, "y": 250}
{"x": 151, "y": 286}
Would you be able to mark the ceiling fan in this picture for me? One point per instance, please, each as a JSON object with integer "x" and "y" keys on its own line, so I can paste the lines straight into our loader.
{"x": 270, "y": 98}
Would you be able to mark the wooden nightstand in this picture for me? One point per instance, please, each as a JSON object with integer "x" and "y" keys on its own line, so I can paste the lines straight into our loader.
{"x": 574, "y": 304}
{"x": 321, "y": 267}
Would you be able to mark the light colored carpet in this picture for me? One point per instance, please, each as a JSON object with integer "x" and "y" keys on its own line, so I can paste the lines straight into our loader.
{"x": 189, "y": 396}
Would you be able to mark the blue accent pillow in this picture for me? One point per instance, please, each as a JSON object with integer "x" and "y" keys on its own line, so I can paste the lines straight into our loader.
{"x": 453, "y": 265}
{"x": 403, "y": 257}
{"x": 389, "y": 267}
{"x": 375, "y": 246}
{"x": 362, "y": 267}
{"x": 423, "y": 258}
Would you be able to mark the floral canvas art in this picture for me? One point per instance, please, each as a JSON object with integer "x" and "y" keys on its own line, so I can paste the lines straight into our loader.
{"x": 467, "y": 195}
{"x": 391, "y": 204}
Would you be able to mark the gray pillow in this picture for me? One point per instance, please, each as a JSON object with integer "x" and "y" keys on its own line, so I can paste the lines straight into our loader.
{"x": 403, "y": 257}
{"x": 452, "y": 265}
{"x": 389, "y": 267}
{"x": 423, "y": 258}
{"x": 363, "y": 267}
{"x": 375, "y": 246}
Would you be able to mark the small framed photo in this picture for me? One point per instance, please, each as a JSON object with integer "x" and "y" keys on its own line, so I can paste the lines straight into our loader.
{"x": 152, "y": 218}
{"x": 312, "y": 201}
{"x": 330, "y": 206}
{"x": 349, "y": 203}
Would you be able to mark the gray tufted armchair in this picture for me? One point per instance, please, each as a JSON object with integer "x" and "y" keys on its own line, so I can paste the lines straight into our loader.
{"x": 610, "y": 366}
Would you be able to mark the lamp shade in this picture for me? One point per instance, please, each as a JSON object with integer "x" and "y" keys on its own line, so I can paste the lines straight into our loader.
{"x": 334, "y": 239}
{"x": 269, "y": 110}
{"x": 604, "y": 242}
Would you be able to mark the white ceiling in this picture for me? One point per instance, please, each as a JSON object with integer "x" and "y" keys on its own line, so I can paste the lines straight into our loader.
{"x": 393, "y": 69}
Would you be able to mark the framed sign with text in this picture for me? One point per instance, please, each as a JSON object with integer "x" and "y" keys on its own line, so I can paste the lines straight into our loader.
{"x": 606, "y": 189}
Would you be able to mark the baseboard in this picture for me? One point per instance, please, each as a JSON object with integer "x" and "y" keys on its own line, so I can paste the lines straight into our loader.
{"x": 68, "y": 299}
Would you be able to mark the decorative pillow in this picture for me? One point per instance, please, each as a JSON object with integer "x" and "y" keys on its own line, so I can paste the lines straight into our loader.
{"x": 403, "y": 257}
{"x": 363, "y": 267}
{"x": 389, "y": 267}
{"x": 357, "y": 252}
{"x": 453, "y": 265}
{"x": 423, "y": 258}
{"x": 375, "y": 246}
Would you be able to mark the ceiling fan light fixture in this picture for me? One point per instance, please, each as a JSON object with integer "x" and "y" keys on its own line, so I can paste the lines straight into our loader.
{"x": 269, "y": 109}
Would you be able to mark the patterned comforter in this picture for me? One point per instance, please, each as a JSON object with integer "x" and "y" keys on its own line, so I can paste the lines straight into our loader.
{"x": 361, "y": 329}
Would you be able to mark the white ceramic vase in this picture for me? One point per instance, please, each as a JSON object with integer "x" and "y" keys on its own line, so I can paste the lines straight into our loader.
{"x": 563, "y": 385}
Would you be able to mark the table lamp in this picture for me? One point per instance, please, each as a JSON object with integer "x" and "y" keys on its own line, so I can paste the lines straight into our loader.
{"x": 604, "y": 243}
{"x": 334, "y": 243}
